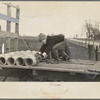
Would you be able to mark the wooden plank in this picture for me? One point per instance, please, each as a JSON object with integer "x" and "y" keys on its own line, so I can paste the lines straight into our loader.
{"x": 17, "y": 24}
{"x": 83, "y": 62}
{"x": 8, "y": 26}
{"x": 79, "y": 43}
{"x": 78, "y": 61}
{"x": 8, "y": 34}
{"x": 8, "y": 22}
{"x": 62, "y": 67}
{"x": 66, "y": 70}
{"x": 56, "y": 67}
{"x": 17, "y": 29}
{"x": 8, "y": 18}
{"x": 49, "y": 69}
{"x": 9, "y": 4}
{"x": 16, "y": 67}
{"x": 8, "y": 44}
{"x": 16, "y": 44}
{"x": 83, "y": 43}
{"x": 8, "y": 29}
{"x": 65, "y": 66}
{"x": 96, "y": 66}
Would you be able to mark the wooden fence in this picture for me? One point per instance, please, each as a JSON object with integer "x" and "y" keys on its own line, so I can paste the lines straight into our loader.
{"x": 7, "y": 35}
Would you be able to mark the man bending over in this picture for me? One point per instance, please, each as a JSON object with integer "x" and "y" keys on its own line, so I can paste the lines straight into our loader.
{"x": 53, "y": 44}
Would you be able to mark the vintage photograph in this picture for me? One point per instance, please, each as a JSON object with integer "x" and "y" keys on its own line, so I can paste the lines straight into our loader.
{"x": 49, "y": 41}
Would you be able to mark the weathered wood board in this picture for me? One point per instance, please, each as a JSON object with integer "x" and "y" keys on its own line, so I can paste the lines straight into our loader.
{"x": 75, "y": 66}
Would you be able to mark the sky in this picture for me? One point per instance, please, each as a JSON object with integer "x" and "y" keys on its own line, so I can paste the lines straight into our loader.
{"x": 53, "y": 17}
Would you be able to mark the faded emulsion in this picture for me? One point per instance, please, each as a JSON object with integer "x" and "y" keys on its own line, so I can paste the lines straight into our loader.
{"x": 67, "y": 48}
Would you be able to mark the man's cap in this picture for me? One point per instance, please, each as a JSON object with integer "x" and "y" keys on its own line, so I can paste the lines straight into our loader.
{"x": 42, "y": 37}
{"x": 62, "y": 34}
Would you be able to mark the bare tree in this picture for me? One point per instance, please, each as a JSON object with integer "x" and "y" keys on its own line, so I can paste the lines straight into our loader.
{"x": 89, "y": 28}
{"x": 90, "y": 31}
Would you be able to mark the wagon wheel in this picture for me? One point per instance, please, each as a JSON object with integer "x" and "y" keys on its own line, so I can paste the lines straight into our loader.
{"x": 27, "y": 77}
{"x": 6, "y": 78}
{"x": 21, "y": 77}
{"x": 90, "y": 76}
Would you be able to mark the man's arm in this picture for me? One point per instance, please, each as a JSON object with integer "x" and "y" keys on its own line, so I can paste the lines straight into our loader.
{"x": 50, "y": 43}
{"x": 43, "y": 47}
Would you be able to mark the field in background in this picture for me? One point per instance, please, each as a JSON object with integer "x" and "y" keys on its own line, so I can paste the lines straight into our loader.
{"x": 77, "y": 52}
{"x": 32, "y": 42}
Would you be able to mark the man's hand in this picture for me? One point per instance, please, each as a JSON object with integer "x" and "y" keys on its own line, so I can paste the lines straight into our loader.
{"x": 39, "y": 57}
{"x": 44, "y": 55}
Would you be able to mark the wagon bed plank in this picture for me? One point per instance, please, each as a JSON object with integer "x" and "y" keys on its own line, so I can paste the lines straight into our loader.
{"x": 85, "y": 62}
{"x": 16, "y": 67}
{"x": 77, "y": 66}
{"x": 64, "y": 65}
{"x": 66, "y": 68}
{"x": 57, "y": 67}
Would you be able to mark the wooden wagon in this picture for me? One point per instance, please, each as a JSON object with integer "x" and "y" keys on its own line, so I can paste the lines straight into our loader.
{"x": 64, "y": 71}
{"x": 85, "y": 70}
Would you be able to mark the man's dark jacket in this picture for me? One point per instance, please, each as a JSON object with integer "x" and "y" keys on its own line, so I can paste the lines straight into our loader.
{"x": 50, "y": 42}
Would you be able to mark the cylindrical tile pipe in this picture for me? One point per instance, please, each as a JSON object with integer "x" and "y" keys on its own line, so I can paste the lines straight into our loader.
{"x": 19, "y": 61}
{"x": 31, "y": 61}
{"x": 21, "y": 58}
{"x": 11, "y": 58}
{"x": 2, "y": 60}
{"x": 10, "y": 61}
